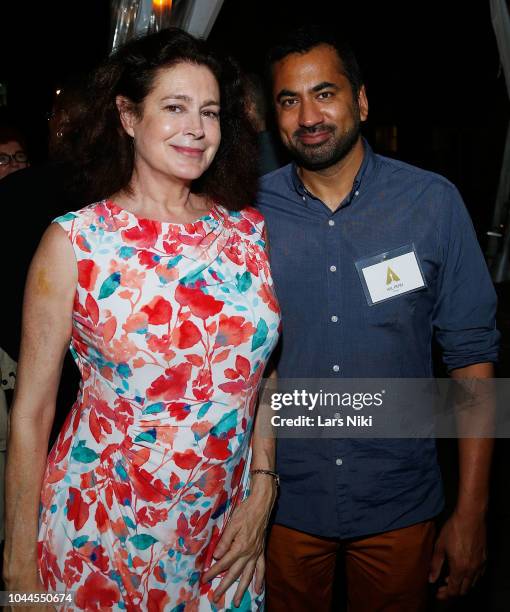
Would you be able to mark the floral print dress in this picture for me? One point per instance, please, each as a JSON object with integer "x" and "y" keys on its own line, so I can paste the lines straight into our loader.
{"x": 172, "y": 327}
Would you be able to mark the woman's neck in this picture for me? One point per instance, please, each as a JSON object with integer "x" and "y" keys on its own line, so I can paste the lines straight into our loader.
{"x": 169, "y": 200}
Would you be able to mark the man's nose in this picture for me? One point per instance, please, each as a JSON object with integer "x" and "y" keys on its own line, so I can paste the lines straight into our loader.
{"x": 309, "y": 114}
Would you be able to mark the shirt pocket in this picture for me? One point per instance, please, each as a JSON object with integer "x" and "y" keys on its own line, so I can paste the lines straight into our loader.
{"x": 384, "y": 314}
{"x": 394, "y": 311}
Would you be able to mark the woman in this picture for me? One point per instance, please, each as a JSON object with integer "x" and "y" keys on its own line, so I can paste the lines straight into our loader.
{"x": 164, "y": 292}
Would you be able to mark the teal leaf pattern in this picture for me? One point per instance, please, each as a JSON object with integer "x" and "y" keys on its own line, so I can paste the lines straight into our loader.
{"x": 244, "y": 281}
{"x": 142, "y": 541}
{"x": 109, "y": 286}
{"x": 260, "y": 335}
{"x": 154, "y": 408}
{"x": 225, "y": 424}
{"x": 67, "y": 217}
{"x": 83, "y": 454}
{"x": 203, "y": 410}
{"x": 146, "y": 436}
{"x": 79, "y": 542}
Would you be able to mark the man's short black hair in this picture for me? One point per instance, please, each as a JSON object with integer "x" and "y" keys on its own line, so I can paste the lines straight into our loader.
{"x": 305, "y": 38}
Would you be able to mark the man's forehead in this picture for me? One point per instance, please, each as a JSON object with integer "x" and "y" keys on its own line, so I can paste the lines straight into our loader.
{"x": 10, "y": 145}
{"x": 320, "y": 63}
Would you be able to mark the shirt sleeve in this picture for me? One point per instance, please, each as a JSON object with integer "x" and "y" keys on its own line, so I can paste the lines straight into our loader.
{"x": 464, "y": 316}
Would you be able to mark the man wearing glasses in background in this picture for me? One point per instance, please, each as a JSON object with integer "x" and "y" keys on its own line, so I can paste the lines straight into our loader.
{"x": 13, "y": 155}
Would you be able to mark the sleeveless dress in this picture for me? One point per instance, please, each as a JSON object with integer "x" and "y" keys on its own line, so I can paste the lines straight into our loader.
{"x": 172, "y": 327}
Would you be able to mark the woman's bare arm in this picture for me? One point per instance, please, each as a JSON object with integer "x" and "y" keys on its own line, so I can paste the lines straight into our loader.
{"x": 240, "y": 551}
{"x": 47, "y": 320}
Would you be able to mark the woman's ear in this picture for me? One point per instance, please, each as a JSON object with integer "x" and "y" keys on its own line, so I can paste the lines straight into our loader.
{"x": 126, "y": 114}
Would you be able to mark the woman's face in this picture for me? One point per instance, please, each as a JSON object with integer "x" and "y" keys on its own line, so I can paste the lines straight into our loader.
{"x": 179, "y": 131}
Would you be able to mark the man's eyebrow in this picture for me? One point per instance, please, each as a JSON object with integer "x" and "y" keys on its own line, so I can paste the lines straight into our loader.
{"x": 285, "y": 93}
{"x": 325, "y": 85}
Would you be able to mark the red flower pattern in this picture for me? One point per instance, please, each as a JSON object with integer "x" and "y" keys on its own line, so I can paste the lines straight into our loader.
{"x": 153, "y": 455}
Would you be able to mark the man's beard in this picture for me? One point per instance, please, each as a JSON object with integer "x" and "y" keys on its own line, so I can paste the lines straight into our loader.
{"x": 324, "y": 155}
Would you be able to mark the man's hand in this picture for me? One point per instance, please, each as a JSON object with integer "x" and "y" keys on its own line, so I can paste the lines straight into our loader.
{"x": 462, "y": 543}
{"x": 240, "y": 551}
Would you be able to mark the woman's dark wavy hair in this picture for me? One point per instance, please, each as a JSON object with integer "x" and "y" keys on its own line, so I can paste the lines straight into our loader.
{"x": 103, "y": 153}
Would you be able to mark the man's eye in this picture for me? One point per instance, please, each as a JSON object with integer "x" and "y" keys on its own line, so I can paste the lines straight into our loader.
{"x": 174, "y": 108}
{"x": 324, "y": 95}
{"x": 288, "y": 102}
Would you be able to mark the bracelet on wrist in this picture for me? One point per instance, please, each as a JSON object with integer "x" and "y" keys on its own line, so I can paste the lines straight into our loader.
{"x": 273, "y": 475}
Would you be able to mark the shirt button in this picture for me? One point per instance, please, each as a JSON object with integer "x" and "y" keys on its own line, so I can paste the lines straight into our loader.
{"x": 334, "y": 318}
{"x": 304, "y": 198}
{"x": 332, "y": 268}
{"x": 339, "y": 461}
{"x": 336, "y": 368}
{"x": 331, "y": 222}
{"x": 356, "y": 193}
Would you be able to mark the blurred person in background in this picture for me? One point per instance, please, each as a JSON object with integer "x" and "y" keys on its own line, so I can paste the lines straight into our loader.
{"x": 13, "y": 157}
{"x": 13, "y": 153}
{"x": 46, "y": 190}
{"x": 7, "y": 379}
{"x": 256, "y": 109}
{"x": 68, "y": 105}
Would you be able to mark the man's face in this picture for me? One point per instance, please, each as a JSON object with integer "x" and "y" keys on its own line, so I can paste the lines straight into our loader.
{"x": 318, "y": 116}
{"x": 12, "y": 157}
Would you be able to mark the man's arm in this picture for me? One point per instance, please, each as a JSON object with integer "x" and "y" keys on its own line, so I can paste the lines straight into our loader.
{"x": 462, "y": 540}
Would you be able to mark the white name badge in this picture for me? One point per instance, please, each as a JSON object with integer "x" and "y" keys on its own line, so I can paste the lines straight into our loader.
{"x": 390, "y": 274}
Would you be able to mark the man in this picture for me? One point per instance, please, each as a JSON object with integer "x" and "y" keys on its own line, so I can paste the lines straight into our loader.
{"x": 13, "y": 157}
{"x": 45, "y": 192}
{"x": 13, "y": 154}
{"x": 328, "y": 214}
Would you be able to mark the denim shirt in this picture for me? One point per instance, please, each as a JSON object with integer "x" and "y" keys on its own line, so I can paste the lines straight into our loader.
{"x": 354, "y": 487}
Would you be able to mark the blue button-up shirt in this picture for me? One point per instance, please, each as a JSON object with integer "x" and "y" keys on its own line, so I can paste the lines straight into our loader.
{"x": 354, "y": 487}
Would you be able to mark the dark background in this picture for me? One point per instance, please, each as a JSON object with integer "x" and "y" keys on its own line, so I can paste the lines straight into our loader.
{"x": 432, "y": 71}
{"x": 433, "y": 76}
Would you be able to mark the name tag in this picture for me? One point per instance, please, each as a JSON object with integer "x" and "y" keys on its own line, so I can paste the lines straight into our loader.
{"x": 390, "y": 274}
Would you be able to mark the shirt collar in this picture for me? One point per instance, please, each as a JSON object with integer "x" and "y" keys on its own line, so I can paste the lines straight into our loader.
{"x": 366, "y": 169}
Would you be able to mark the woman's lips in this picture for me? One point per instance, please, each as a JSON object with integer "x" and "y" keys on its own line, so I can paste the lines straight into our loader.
{"x": 189, "y": 151}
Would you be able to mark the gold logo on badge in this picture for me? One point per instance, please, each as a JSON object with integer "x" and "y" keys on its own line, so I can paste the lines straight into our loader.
{"x": 391, "y": 277}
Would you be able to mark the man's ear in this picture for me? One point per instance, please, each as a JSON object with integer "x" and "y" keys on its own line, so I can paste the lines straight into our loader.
{"x": 363, "y": 103}
{"x": 126, "y": 114}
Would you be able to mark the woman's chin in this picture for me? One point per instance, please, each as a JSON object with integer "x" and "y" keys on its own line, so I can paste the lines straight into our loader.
{"x": 189, "y": 175}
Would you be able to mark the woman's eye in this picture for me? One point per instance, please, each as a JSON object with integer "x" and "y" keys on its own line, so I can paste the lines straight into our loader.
{"x": 211, "y": 114}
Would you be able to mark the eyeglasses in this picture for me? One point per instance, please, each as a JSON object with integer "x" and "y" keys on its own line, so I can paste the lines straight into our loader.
{"x": 19, "y": 157}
